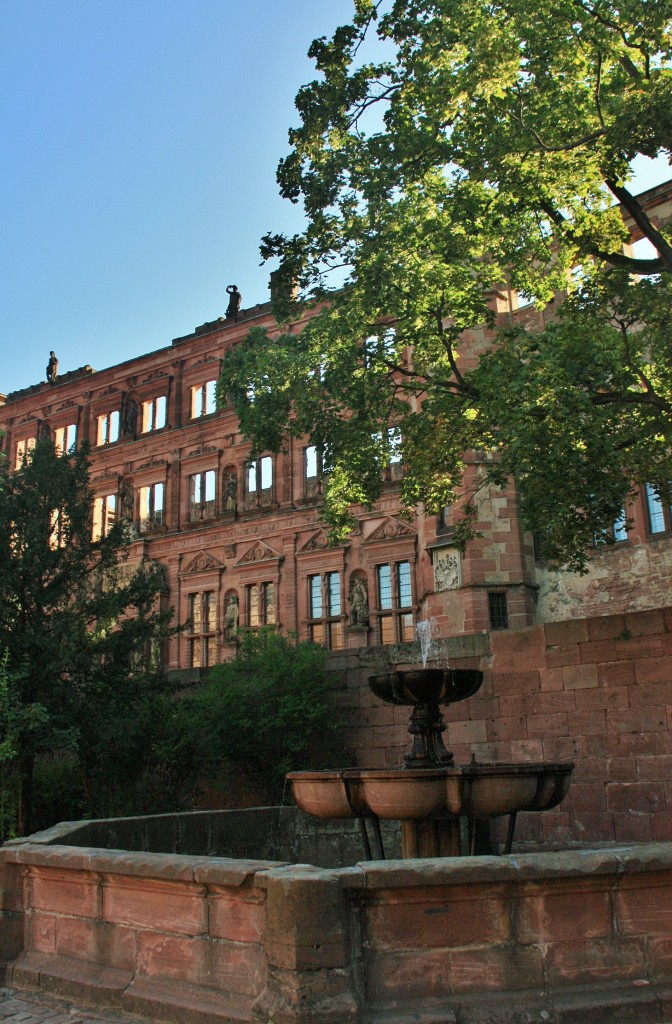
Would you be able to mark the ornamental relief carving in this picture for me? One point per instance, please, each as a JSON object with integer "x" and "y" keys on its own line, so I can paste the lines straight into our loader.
{"x": 202, "y": 449}
{"x": 259, "y": 553}
{"x": 390, "y": 529}
{"x": 202, "y": 562}
{"x": 446, "y": 569}
{"x": 151, "y": 464}
{"x": 318, "y": 542}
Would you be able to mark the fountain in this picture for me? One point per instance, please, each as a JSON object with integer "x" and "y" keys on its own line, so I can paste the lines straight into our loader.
{"x": 430, "y": 793}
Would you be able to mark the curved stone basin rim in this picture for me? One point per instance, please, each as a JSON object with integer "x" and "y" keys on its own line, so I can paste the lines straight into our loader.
{"x": 476, "y": 791}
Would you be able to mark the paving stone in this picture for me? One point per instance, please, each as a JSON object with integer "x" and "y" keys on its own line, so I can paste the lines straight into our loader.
{"x": 40, "y": 1009}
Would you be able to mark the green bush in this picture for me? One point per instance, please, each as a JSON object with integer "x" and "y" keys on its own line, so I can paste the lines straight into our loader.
{"x": 265, "y": 711}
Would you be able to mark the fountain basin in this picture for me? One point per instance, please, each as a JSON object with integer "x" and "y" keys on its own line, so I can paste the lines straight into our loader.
{"x": 431, "y": 686}
{"x": 481, "y": 791}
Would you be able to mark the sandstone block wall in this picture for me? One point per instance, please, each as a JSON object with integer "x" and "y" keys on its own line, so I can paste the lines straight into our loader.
{"x": 562, "y": 938}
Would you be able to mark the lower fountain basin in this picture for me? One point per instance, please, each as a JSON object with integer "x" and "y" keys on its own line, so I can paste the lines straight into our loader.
{"x": 480, "y": 791}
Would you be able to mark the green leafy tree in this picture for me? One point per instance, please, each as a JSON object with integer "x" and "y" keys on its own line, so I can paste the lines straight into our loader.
{"x": 265, "y": 712}
{"x": 76, "y": 625}
{"x": 449, "y": 151}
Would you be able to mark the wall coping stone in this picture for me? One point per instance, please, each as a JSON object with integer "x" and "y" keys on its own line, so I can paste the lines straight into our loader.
{"x": 529, "y": 867}
{"x": 227, "y": 871}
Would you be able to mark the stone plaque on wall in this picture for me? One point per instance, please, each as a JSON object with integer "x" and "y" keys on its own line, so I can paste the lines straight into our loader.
{"x": 446, "y": 569}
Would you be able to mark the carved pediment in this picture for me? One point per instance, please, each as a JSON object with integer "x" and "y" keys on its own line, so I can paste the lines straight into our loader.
{"x": 318, "y": 542}
{"x": 66, "y": 405}
{"x": 259, "y": 552}
{"x": 202, "y": 562}
{"x": 390, "y": 529}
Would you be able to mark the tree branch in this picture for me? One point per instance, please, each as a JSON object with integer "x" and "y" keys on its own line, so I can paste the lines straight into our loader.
{"x": 616, "y": 259}
{"x": 632, "y": 205}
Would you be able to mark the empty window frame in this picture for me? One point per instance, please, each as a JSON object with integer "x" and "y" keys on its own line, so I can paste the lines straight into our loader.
{"x": 203, "y": 399}
{"x": 107, "y": 428}
{"x": 259, "y": 482}
{"x": 152, "y": 509}
{"x": 394, "y": 470}
{"x": 202, "y": 495}
{"x": 65, "y": 439}
{"x": 381, "y": 348}
{"x": 325, "y": 624}
{"x": 312, "y": 471}
{"x": 22, "y": 451}
{"x": 202, "y": 629}
{"x": 104, "y": 515}
{"x": 395, "y": 603}
{"x": 58, "y": 535}
{"x": 614, "y": 534}
{"x": 261, "y": 605}
{"x": 154, "y": 414}
{"x": 658, "y": 511}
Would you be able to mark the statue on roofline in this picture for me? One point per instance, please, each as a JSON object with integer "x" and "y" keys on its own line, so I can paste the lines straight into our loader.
{"x": 235, "y": 299}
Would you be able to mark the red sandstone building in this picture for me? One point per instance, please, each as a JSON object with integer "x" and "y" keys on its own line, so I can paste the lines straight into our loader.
{"x": 242, "y": 543}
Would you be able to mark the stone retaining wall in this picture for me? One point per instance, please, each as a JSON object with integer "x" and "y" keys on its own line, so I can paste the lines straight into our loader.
{"x": 562, "y": 938}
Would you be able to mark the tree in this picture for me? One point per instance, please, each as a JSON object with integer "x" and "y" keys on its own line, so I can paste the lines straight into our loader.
{"x": 451, "y": 150}
{"x": 77, "y": 626}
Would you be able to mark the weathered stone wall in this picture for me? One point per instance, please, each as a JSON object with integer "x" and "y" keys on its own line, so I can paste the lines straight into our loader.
{"x": 594, "y": 691}
{"x": 563, "y": 938}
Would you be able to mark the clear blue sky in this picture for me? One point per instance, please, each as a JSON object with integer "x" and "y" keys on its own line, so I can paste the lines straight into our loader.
{"x": 140, "y": 142}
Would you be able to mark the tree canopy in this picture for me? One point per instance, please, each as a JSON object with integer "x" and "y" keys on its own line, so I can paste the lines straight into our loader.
{"x": 447, "y": 153}
{"x": 77, "y": 626}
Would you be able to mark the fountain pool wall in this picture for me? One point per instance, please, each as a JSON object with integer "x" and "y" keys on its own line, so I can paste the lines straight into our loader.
{"x": 563, "y": 937}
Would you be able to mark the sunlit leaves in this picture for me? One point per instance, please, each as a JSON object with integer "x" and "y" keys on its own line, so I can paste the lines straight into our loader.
{"x": 477, "y": 151}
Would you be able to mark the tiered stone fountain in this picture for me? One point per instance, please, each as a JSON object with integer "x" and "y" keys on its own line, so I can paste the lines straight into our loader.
{"x": 430, "y": 793}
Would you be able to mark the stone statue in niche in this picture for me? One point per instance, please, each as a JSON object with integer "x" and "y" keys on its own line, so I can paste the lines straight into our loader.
{"x": 446, "y": 569}
{"x": 129, "y": 417}
{"x": 231, "y": 493}
{"x": 126, "y": 500}
{"x": 231, "y": 617}
{"x": 359, "y": 602}
{"x": 52, "y": 368}
{"x": 235, "y": 299}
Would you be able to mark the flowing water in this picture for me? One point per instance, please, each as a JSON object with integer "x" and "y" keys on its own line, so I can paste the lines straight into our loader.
{"x": 425, "y": 629}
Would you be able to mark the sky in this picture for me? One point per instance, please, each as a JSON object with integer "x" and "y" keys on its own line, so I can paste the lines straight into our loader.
{"x": 140, "y": 140}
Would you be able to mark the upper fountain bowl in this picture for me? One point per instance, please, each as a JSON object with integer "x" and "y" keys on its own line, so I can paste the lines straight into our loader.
{"x": 427, "y": 686}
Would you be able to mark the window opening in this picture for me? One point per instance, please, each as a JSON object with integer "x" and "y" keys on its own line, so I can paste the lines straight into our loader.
{"x": 203, "y": 399}
{"x": 152, "y": 506}
{"x": 499, "y": 614}
{"x": 202, "y": 495}
{"x": 325, "y": 626}
{"x": 395, "y": 603}
{"x": 261, "y": 605}
{"x": 65, "y": 439}
{"x": 260, "y": 481}
{"x": 108, "y": 428}
{"x": 23, "y": 449}
{"x": 104, "y": 515}
{"x": 312, "y": 467}
{"x": 154, "y": 414}
{"x": 202, "y": 629}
